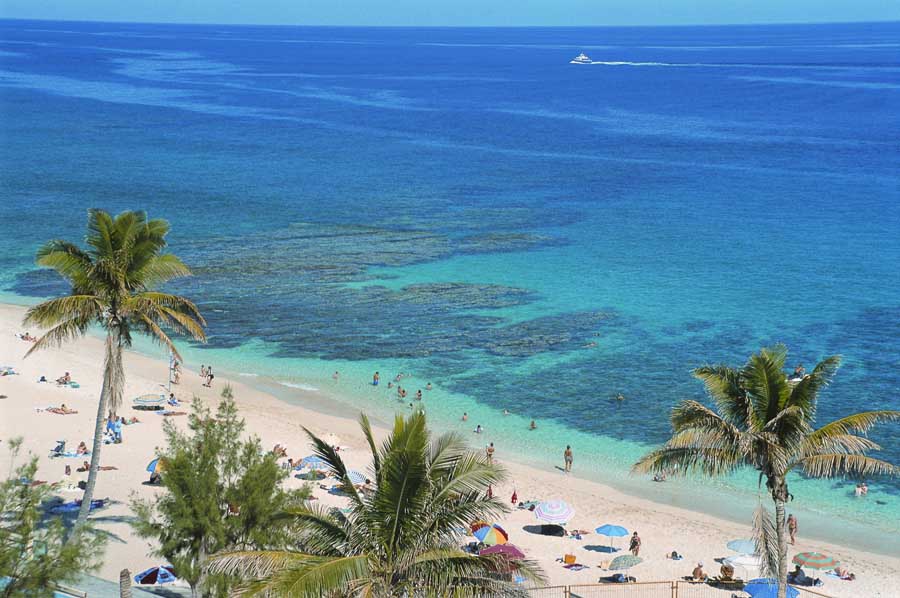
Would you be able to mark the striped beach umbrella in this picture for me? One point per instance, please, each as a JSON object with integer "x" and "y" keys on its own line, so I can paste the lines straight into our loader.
{"x": 815, "y": 560}
{"x": 554, "y": 511}
{"x": 508, "y": 550}
{"x": 625, "y": 561}
{"x": 313, "y": 462}
{"x": 492, "y": 535}
{"x": 356, "y": 478}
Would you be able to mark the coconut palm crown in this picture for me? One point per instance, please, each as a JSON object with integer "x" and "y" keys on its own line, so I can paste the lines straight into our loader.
{"x": 765, "y": 421}
{"x": 112, "y": 287}
{"x": 402, "y": 538}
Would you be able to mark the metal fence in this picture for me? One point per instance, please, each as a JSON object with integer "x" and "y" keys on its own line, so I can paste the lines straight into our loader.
{"x": 650, "y": 589}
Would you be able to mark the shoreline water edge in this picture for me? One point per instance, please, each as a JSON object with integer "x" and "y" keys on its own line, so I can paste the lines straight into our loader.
{"x": 668, "y": 514}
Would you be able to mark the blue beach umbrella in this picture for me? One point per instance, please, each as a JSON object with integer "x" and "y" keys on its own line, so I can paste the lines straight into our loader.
{"x": 151, "y": 467}
{"x": 767, "y": 588}
{"x": 742, "y": 546}
{"x": 611, "y": 531}
{"x": 156, "y": 576}
{"x": 313, "y": 462}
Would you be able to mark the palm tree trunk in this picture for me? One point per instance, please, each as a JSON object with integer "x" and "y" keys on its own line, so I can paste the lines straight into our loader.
{"x": 112, "y": 379}
{"x": 779, "y": 494}
{"x": 124, "y": 583}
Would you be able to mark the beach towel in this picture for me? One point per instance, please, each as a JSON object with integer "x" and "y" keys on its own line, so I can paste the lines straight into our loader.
{"x": 71, "y": 454}
{"x": 75, "y": 505}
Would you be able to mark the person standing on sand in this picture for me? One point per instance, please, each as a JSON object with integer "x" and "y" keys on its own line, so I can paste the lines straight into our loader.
{"x": 792, "y": 528}
{"x": 567, "y": 457}
{"x": 635, "y": 545}
{"x": 489, "y": 452}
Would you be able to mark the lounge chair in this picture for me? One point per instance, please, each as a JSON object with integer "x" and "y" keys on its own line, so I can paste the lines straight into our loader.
{"x": 149, "y": 402}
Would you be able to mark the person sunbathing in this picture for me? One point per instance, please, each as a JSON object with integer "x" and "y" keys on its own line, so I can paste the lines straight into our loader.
{"x": 726, "y": 573}
{"x": 698, "y": 574}
{"x": 84, "y": 467}
{"x": 63, "y": 380}
{"x": 62, "y": 410}
{"x": 844, "y": 573}
{"x": 82, "y": 449}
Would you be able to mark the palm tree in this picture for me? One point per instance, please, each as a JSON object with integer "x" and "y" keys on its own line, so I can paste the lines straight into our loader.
{"x": 402, "y": 538}
{"x": 112, "y": 284}
{"x": 765, "y": 421}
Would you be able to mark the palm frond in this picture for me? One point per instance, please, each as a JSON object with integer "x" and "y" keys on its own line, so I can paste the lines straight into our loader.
{"x": 804, "y": 394}
{"x": 827, "y": 466}
{"x": 766, "y": 382}
{"x": 366, "y": 427}
{"x": 765, "y": 538}
{"x": 68, "y": 260}
{"x": 858, "y": 423}
{"x": 160, "y": 269}
{"x": 675, "y": 460}
{"x": 723, "y": 384}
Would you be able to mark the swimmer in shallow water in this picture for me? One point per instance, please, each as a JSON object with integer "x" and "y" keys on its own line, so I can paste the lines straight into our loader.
{"x": 465, "y": 416}
{"x": 479, "y": 429}
{"x": 533, "y": 426}
{"x": 428, "y": 386}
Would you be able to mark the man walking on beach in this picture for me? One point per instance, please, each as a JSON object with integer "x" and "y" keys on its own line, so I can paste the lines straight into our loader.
{"x": 567, "y": 457}
{"x": 489, "y": 452}
{"x": 635, "y": 546}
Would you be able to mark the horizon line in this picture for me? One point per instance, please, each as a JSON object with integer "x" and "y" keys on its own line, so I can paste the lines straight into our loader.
{"x": 388, "y": 26}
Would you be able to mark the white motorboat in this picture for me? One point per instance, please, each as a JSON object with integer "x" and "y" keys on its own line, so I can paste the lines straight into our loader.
{"x": 581, "y": 59}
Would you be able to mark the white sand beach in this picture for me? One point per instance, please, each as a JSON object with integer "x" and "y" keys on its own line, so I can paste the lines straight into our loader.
{"x": 662, "y": 528}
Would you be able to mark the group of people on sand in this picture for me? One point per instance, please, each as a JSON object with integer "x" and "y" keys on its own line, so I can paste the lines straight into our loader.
{"x": 206, "y": 373}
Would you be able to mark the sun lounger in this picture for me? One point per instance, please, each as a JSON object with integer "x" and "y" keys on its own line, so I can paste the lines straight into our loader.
{"x": 149, "y": 402}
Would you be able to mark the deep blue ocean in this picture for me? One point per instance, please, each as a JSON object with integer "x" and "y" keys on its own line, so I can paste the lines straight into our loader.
{"x": 466, "y": 206}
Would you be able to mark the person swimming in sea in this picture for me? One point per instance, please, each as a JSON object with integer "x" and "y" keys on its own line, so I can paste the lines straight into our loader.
{"x": 419, "y": 395}
{"x": 375, "y": 379}
{"x": 620, "y": 397}
{"x": 428, "y": 386}
{"x": 533, "y": 426}
{"x": 479, "y": 429}
{"x": 465, "y": 416}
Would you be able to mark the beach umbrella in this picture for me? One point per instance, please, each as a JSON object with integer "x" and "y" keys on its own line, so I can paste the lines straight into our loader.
{"x": 492, "y": 535}
{"x": 815, "y": 560}
{"x": 356, "y": 478}
{"x": 611, "y": 531}
{"x": 767, "y": 588}
{"x": 313, "y": 462}
{"x": 554, "y": 511}
{"x": 476, "y": 525}
{"x": 510, "y": 551}
{"x": 742, "y": 546}
{"x": 155, "y": 466}
{"x": 156, "y": 576}
{"x": 625, "y": 561}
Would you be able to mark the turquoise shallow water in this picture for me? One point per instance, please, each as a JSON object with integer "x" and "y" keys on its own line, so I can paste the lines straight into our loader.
{"x": 466, "y": 206}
